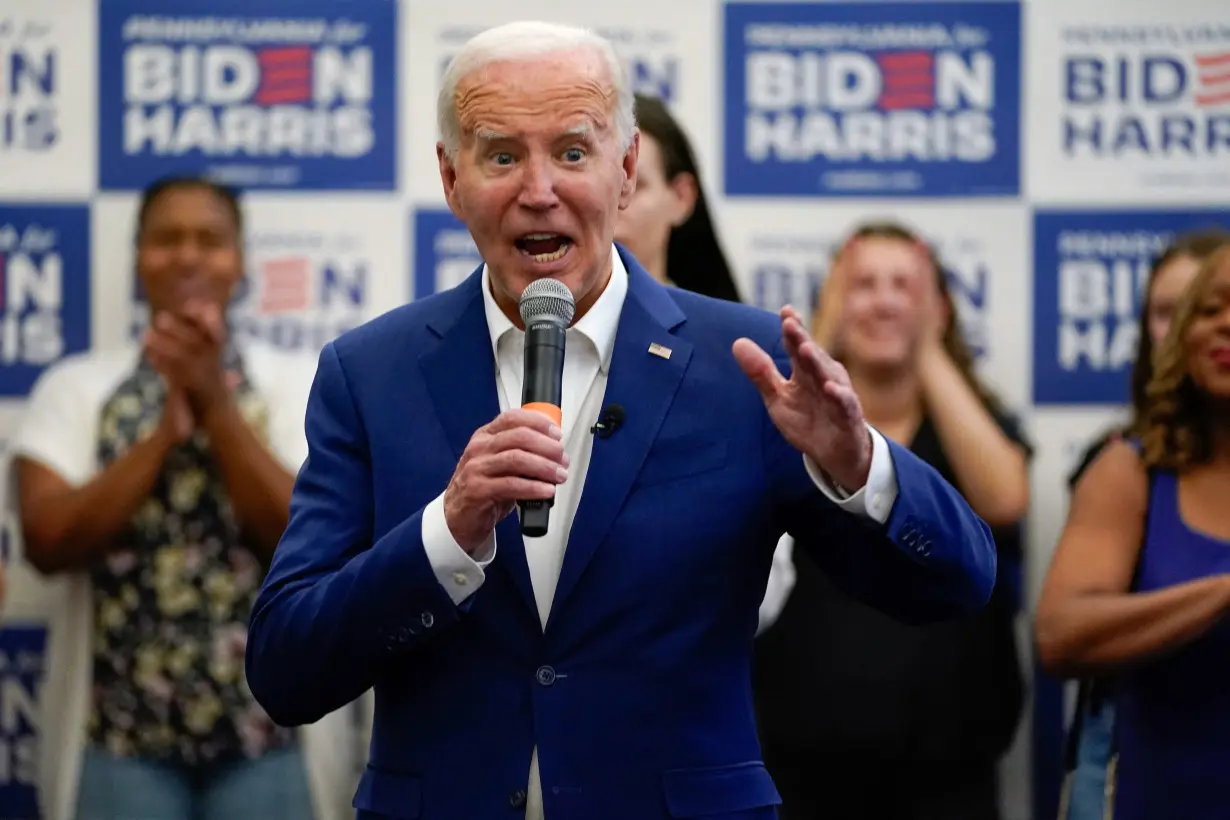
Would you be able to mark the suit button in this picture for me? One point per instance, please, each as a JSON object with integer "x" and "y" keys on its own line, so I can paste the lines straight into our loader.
{"x": 545, "y": 675}
{"x": 428, "y": 619}
{"x": 516, "y": 800}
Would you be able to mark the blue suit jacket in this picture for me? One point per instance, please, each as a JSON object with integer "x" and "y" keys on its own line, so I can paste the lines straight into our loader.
{"x": 637, "y": 693}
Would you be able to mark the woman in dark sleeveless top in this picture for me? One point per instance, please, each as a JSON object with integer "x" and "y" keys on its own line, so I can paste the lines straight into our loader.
{"x": 862, "y": 717}
{"x": 1160, "y": 502}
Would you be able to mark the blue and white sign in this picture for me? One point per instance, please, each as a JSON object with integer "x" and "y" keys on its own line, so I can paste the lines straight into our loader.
{"x": 444, "y": 252}
{"x": 312, "y": 273}
{"x": 300, "y": 97}
{"x": 44, "y": 290}
{"x": 790, "y": 269}
{"x": 23, "y": 652}
{"x": 864, "y": 99}
{"x": 30, "y": 86}
{"x": 650, "y": 54}
{"x": 1129, "y": 107}
{"x": 1091, "y": 271}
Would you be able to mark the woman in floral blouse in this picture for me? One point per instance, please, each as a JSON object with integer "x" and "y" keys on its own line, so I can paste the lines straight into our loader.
{"x": 164, "y": 471}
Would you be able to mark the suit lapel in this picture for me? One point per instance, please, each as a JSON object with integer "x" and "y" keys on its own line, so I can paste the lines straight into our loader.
{"x": 460, "y": 376}
{"x": 645, "y": 383}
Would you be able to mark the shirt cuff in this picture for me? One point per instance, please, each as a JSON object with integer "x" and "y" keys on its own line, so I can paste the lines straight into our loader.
{"x": 460, "y": 574}
{"x": 874, "y": 499}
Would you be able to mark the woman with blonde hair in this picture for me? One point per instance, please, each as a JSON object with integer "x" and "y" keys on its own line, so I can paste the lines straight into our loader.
{"x": 858, "y": 710}
{"x": 1140, "y": 582}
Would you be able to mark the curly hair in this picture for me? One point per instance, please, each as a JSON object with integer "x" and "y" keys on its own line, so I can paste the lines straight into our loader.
{"x": 954, "y": 340}
{"x": 1174, "y": 427}
{"x": 1197, "y": 245}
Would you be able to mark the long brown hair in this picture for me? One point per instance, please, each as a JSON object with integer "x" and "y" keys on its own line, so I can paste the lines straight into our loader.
{"x": 1174, "y": 428}
{"x": 1199, "y": 245}
{"x": 954, "y": 340}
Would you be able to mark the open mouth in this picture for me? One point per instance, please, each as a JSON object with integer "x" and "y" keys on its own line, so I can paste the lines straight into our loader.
{"x": 544, "y": 247}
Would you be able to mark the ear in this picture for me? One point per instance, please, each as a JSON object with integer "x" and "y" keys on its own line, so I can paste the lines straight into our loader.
{"x": 686, "y": 190}
{"x": 448, "y": 177}
{"x": 628, "y": 187}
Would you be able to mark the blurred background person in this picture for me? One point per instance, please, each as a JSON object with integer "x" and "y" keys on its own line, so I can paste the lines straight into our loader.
{"x": 161, "y": 472}
{"x": 1169, "y": 277}
{"x": 669, "y": 230}
{"x": 1089, "y": 735}
{"x": 1140, "y": 582}
{"x": 862, "y": 716}
{"x": 668, "y": 227}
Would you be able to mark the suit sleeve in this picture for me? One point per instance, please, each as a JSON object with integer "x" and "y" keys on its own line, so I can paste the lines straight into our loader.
{"x": 336, "y": 607}
{"x": 929, "y": 558}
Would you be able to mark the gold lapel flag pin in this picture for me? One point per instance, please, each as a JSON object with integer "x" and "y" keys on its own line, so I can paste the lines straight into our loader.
{"x": 658, "y": 350}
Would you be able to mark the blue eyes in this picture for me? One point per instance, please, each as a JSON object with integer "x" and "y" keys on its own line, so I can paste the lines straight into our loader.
{"x": 572, "y": 155}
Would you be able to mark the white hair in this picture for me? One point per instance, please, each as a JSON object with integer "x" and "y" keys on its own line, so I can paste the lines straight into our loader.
{"x": 525, "y": 40}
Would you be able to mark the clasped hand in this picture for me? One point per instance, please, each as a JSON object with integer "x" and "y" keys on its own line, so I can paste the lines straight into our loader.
{"x": 185, "y": 347}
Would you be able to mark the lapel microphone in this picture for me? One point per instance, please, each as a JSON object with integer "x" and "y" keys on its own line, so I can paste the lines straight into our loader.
{"x": 546, "y": 307}
{"x": 610, "y": 420}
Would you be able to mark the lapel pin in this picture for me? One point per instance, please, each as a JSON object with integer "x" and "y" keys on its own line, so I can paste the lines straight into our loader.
{"x": 658, "y": 350}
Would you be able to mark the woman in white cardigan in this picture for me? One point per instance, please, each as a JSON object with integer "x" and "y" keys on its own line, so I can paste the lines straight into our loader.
{"x": 157, "y": 478}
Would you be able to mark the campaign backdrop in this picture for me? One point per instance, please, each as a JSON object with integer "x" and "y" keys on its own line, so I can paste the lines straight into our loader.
{"x": 1047, "y": 150}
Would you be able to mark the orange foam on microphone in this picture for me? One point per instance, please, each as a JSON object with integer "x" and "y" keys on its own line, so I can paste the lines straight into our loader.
{"x": 549, "y": 410}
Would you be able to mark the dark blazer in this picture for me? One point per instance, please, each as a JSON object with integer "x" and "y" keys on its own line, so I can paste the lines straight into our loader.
{"x": 637, "y": 694}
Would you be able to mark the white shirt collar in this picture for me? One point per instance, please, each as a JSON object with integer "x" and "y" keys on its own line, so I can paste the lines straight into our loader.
{"x": 598, "y": 325}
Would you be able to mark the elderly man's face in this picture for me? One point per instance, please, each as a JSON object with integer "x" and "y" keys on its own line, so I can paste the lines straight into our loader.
{"x": 541, "y": 174}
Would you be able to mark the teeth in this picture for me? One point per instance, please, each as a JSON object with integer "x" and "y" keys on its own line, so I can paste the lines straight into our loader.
{"x": 537, "y": 237}
{"x": 549, "y": 257}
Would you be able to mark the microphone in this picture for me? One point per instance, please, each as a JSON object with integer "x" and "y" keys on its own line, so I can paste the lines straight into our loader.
{"x": 546, "y": 307}
{"x": 609, "y": 420}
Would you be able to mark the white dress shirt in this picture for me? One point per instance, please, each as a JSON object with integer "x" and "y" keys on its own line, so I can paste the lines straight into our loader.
{"x": 589, "y": 345}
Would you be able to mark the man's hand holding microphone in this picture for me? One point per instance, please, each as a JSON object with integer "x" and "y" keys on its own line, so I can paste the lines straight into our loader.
{"x": 519, "y": 456}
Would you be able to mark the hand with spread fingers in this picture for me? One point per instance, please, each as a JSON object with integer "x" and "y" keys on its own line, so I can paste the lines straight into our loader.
{"x": 816, "y": 409}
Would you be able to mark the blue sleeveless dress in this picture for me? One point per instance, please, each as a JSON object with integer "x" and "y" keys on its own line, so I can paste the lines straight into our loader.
{"x": 1173, "y": 715}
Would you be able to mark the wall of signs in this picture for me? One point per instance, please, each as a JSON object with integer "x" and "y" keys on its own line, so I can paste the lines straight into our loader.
{"x": 1047, "y": 169}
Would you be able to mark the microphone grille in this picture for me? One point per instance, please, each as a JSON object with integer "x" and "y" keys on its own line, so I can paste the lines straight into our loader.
{"x": 547, "y": 300}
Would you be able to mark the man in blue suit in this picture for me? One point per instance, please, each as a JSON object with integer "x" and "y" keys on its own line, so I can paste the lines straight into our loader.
{"x": 600, "y": 672}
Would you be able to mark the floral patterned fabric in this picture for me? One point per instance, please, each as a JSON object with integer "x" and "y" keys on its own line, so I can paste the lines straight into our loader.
{"x": 171, "y": 605}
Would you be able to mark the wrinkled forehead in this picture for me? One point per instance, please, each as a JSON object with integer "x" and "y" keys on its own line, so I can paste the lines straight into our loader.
{"x": 559, "y": 94}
